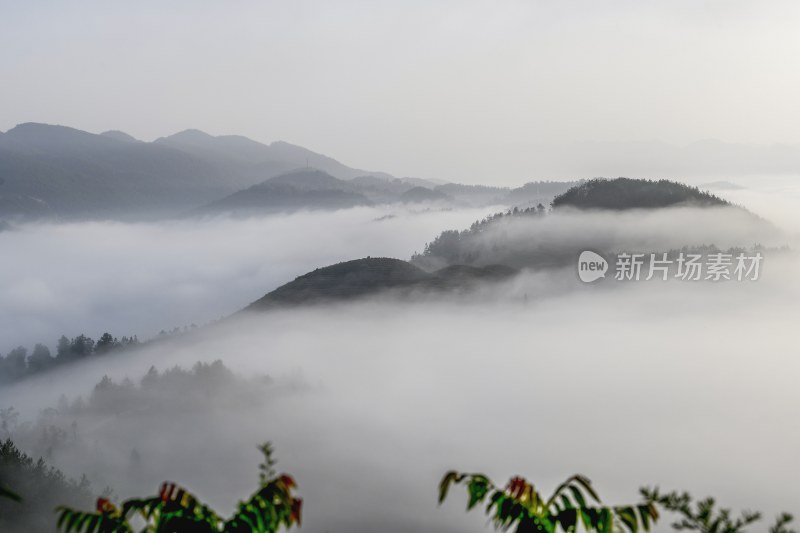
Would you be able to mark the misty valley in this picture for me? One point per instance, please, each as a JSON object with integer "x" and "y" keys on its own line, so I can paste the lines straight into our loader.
{"x": 175, "y": 334}
{"x": 418, "y": 266}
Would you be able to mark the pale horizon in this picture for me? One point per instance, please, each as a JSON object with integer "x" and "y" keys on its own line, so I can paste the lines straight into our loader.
{"x": 457, "y": 91}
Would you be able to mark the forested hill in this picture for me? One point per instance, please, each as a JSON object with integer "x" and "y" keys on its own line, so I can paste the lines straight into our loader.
{"x": 533, "y": 237}
{"x": 458, "y": 259}
{"x": 370, "y": 276}
{"x": 627, "y": 193}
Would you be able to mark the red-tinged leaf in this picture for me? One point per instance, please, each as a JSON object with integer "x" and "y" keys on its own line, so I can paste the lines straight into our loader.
{"x": 166, "y": 491}
{"x": 516, "y": 486}
{"x": 297, "y": 508}
{"x": 104, "y": 505}
{"x": 287, "y": 480}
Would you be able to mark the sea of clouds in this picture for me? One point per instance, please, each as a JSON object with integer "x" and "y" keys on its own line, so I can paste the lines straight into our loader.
{"x": 685, "y": 385}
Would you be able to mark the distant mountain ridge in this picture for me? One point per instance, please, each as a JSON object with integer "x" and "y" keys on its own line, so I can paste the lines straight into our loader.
{"x": 72, "y": 173}
{"x": 120, "y": 136}
{"x": 298, "y": 189}
{"x": 267, "y": 160}
{"x": 59, "y": 172}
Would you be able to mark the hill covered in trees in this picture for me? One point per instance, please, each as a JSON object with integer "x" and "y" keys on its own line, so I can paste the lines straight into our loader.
{"x": 66, "y": 435}
{"x": 499, "y": 245}
{"x": 19, "y": 363}
{"x": 627, "y": 193}
{"x": 372, "y": 276}
{"x": 41, "y": 488}
{"x": 592, "y": 215}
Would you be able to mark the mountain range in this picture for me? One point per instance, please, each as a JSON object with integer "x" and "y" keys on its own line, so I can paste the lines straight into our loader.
{"x": 459, "y": 260}
{"x": 59, "y": 172}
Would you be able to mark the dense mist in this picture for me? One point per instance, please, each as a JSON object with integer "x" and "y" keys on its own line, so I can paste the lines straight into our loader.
{"x": 685, "y": 385}
{"x": 370, "y": 403}
{"x": 141, "y": 278}
{"x": 536, "y": 249}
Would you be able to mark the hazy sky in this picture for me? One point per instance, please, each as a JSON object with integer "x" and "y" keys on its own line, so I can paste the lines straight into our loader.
{"x": 448, "y": 89}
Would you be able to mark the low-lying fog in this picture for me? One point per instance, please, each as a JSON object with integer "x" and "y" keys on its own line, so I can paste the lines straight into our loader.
{"x": 685, "y": 385}
{"x": 137, "y": 279}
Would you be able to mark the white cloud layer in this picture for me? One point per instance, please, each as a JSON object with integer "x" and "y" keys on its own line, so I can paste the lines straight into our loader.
{"x": 686, "y": 385}
{"x": 142, "y": 278}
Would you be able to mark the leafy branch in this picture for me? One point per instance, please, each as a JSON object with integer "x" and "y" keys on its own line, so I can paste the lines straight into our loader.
{"x": 702, "y": 515}
{"x": 272, "y": 506}
{"x": 573, "y": 503}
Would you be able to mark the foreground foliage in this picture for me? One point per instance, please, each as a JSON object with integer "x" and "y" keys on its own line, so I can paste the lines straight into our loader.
{"x": 702, "y": 515}
{"x": 520, "y": 504}
{"x": 575, "y": 505}
{"x": 175, "y": 509}
{"x": 9, "y": 494}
